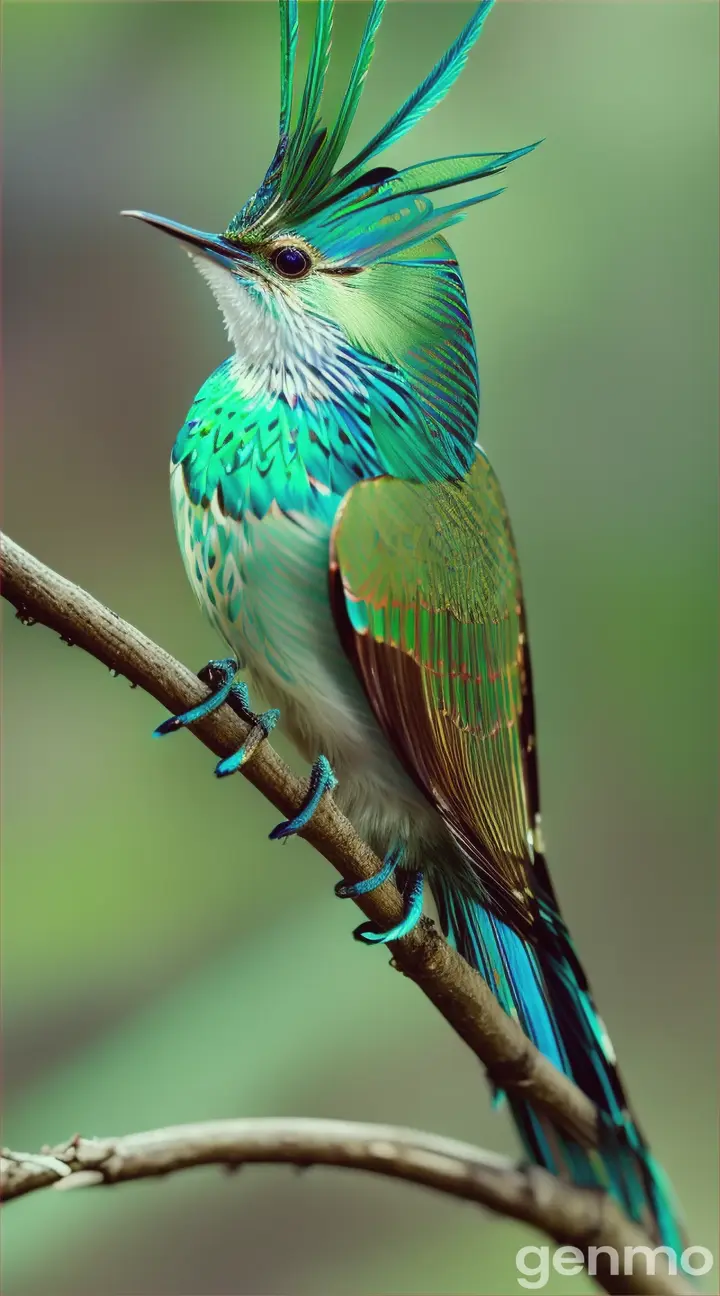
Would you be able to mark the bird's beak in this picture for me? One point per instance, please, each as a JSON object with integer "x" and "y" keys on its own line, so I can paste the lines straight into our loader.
{"x": 211, "y": 245}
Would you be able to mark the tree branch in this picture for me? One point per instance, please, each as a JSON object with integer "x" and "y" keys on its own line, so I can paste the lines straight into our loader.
{"x": 571, "y": 1216}
{"x": 461, "y": 995}
{"x": 463, "y": 998}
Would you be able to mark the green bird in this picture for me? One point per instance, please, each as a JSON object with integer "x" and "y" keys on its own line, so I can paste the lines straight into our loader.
{"x": 345, "y": 533}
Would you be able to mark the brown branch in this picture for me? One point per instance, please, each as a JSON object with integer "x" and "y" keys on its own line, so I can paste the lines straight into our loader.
{"x": 573, "y": 1217}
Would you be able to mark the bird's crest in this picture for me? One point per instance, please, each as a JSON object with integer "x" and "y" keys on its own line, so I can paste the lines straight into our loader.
{"x": 359, "y": 212}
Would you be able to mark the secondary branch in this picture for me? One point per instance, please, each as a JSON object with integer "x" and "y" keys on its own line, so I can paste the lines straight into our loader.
{"x": 580, "y": 1218}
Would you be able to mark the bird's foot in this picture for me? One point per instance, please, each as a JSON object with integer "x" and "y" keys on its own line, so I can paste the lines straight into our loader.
{"x": 413, "y": 897}
{"x": 220, "y": 675}
{"x": 321, "y": 780}
{"x": 262, "y": 726}
{"x": 349, "y": 890}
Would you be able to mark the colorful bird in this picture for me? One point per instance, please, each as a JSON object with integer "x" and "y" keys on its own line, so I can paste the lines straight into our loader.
{"x": 348, "y": 538}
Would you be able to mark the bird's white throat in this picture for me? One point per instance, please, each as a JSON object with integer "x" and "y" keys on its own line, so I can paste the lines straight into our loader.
{"x": 280, "y": 348}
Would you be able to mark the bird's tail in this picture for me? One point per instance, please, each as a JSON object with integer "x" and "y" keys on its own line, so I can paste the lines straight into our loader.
{"x": 545, "y": 989}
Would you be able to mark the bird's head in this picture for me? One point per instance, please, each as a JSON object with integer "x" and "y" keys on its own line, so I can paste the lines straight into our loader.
{"x": 319, "y": 256}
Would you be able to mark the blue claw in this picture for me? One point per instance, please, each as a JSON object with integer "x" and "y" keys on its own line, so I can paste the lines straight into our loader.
{"x": 226, "y": 669}
{"x": 221, "y": 677}
{"x": 369, "y": 935}
{"x": 263, "y": 726}
{"x": 349, "y": 890}
{"x": 322, "y": 780}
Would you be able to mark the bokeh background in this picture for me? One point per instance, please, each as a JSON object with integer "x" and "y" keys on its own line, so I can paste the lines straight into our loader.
{"x": 163, "y": 961}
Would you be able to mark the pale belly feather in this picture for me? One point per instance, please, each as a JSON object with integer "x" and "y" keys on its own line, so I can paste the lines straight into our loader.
{"x": 267, "y": 593}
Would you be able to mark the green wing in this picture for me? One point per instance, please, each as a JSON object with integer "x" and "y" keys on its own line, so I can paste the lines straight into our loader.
{"x": 427, "y": 596}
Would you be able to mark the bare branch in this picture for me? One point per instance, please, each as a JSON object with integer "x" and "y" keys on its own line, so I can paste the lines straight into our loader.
{"x": 570, "y": 1216}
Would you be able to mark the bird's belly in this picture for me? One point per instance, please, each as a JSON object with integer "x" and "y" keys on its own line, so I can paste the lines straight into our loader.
{"x": 267, "y": 592}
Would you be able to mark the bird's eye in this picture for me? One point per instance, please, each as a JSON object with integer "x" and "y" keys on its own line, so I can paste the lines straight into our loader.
{"x": 292, "y": 262}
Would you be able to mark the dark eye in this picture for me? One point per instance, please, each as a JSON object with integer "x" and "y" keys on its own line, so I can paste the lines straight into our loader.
{"x": 292, "y": 262}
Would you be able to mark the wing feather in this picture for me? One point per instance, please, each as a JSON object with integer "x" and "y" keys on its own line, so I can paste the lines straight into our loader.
{"x": 427, "y": 594}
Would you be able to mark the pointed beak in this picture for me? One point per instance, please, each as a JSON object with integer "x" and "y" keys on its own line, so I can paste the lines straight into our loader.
{"x": 212, "y": 245}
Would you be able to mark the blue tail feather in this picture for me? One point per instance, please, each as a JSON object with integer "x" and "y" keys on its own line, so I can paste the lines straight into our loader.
{"x": 544, "y": 988}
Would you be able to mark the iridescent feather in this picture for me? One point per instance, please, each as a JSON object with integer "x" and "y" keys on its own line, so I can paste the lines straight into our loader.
{"x": 427, "y": 96}
{"x": 308, "y": 135}
{"x": 335, "y": 141}
{"x": 288, "y": 50}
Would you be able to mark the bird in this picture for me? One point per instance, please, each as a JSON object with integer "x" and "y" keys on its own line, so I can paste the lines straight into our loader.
{"x": 346, "y": 535}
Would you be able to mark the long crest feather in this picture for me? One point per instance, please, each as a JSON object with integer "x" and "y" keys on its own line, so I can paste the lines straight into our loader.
{"x": 304, "y": 139}
{"x": 288, "y": 50}
{"x": 335, "y": 142}
{"x": 427, "y": 95}
{"x": 445, "y": 173}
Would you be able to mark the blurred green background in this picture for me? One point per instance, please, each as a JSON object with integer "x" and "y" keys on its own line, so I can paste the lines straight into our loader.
{"x": 162, "y": 960}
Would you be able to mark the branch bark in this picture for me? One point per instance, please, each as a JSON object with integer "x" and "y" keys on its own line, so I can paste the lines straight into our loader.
{"x": 574, "y": 1217}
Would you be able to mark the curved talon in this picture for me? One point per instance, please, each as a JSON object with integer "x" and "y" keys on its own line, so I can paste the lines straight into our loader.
{"x": 368, "y": 934}
{"x": 322, "y": 780}
{"x": 226, "y": 670}
{"x": 349, "y": 890}
{"x": 263, "y": 726}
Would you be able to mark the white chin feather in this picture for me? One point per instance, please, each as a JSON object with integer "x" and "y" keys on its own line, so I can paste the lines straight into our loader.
{"x": 280, "y": 347}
